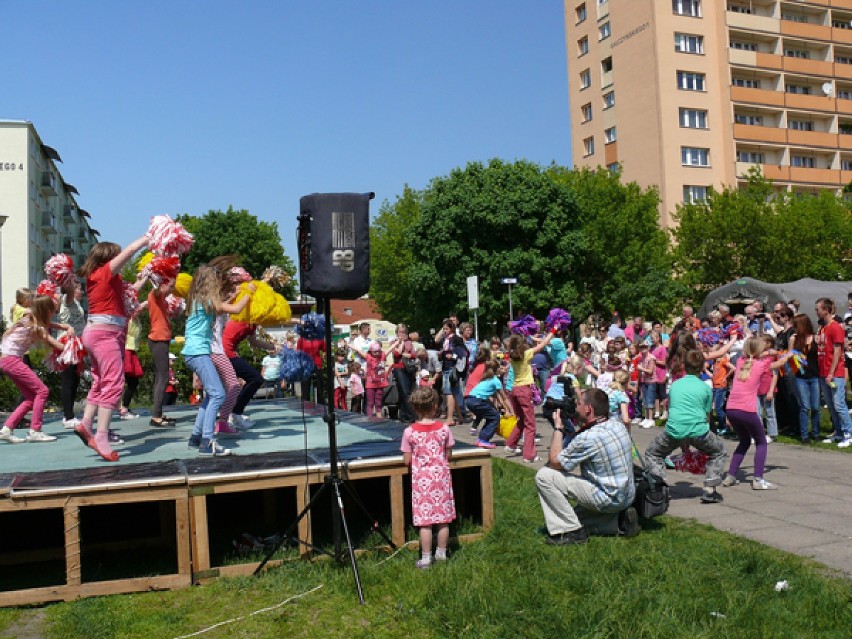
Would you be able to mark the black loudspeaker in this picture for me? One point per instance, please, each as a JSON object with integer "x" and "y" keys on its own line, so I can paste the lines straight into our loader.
{"x": 334, "y": 245}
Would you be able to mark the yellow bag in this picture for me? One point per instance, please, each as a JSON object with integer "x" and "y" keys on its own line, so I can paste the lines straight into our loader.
{"x": 507, "y": 425}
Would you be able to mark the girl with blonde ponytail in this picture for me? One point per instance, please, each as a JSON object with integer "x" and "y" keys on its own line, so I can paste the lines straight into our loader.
{"x": 742, "y": 410}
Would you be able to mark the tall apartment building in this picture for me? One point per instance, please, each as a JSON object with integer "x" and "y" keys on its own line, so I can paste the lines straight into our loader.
{"x": 39, "y": 215}
{"x": 687, "y": 94}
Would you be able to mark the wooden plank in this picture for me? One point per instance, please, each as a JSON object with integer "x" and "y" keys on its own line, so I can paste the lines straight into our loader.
{"x": 183, "y": 534}
{"x": 397, "y": 507}
{"x": 69, "y": 593}
{"x": 200, "y": 534}
{"x": 304, "y": 528}
{"x": 486, "y": 480}
{"x": 73, "y": 570}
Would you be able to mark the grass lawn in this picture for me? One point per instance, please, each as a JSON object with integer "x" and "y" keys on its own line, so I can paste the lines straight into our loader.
{"x": 676, "y": 579}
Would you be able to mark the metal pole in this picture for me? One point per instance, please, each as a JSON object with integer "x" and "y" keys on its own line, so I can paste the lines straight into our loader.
{"x": 510, "y": 303}
{"x": 476, "y": 325}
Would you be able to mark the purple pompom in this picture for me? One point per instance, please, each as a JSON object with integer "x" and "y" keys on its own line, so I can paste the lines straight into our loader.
{"x": 527, "y": 325}
{"x": 312, "y": 326}
{"x": 735, "y": 331}
{"x": 709, "y": 337}
{"x": 558, "y": 319}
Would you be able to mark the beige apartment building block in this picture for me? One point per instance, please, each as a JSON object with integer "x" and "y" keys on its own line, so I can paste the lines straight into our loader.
{"x": 688, "y": 94}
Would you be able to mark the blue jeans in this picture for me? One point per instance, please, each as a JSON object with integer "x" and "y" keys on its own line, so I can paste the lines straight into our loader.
{"x": 836, "y": 400}
{"x": 720, "y": 396}
{"x": 453, "y": 389}
{"x": 214, "y": 395}
{"x": 768, "y": 408}
{"x": 808, "y": 401}
{"x": 649, "y": 395}
{"x": 483, "y": 409}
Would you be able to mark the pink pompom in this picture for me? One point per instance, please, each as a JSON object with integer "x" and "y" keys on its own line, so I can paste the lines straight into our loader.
{"x": 46, "y": 287}
{"x": 238, "y": 274}
{"x": 131, "y": 300}
{"x": 168, "y": 237}
{"x": 175, "y": 305}
{"x": 60, "y": 270}
{"x": 161, "y": 269}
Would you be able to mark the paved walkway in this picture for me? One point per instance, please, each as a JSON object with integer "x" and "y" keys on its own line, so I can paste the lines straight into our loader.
{"x": 809, "y": 515}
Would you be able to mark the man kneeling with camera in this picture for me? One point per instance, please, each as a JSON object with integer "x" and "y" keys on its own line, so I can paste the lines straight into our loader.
{"x": 604, "y": 490}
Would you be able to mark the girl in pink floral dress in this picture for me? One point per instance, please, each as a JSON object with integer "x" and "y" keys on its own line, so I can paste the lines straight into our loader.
{"x": 426, "y": 447}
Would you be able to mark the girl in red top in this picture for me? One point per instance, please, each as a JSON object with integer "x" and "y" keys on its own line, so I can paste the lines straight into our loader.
{"x": 158, "y": 341}
{"x": 376, "y": 380}
{"x": 103, "y": 338}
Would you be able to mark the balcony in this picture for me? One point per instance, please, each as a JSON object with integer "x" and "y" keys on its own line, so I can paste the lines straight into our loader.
{"x": 69, "y": 245}
{"x": 769, "y": 61}
{"x": 812, "y": 138}
{"x": 808, "y": 67}
{"x": 844, "y": 141}
{"x": 48, "y": 183}
{"x": 814, "y": 176}
{"x": 48, "y": 222}
{"x": 744, "y": 58}
{"x": 610, "y": 153}
{"x": 69, "y": 212}
{"x": 810, "y": 102}
{"x": 805, "y": 30}
{"x": 82, "y": 233}
{"x": 843, "y": 36}
{"x": 757, "y": 96}
{"x": 774, "y": 172}
{"x": 760, "y": 133}
{"x": 841, "y": 4}
{"x": 752, "y": 22}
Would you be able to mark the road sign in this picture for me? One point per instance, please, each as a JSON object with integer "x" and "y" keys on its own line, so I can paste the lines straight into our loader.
{"x": 509, "y": 280}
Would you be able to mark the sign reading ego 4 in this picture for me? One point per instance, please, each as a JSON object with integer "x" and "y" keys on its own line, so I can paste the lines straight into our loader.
{"x": 11, "y": 166}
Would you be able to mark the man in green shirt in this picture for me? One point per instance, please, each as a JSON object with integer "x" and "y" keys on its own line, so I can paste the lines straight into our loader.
{"x": 690, "y": 405}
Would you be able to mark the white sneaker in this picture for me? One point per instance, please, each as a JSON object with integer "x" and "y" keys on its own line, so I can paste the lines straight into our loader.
{"x": 656, "y": 416}
{"x": 759, "y": 483}
{"x": 513, "y": 451}
{"x": 243, "y": 422}
{"x": 636, "y": 420}
{"x": 830, "y": 440}
{"x": 38, "y": 436}
{"x": 647, "y": 423}
{"x": 70, "y": 423}
{"x": 846, "y": 443}
{"x": 6, "y": 434}
{"x": 129, "y": 415}
{"x": 769, "y": 440}
{"x": 665, "y": 415}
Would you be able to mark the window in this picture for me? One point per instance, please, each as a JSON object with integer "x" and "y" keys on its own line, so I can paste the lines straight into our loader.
{"x": 606, "y": 65}
{"x": 589, "y": 146}
{"x": 604, "y": 31}
{"x": 797, "y": 53}
{"x": 585, "y": 79}
{"x": 841, "y": 24}
{"x": 689, "y": 81}
{"x": 748, "y": 83}
{"x": 743, "y": 46}
{"x": 692, "y": 156}
{"x": 794, "y": 17}
{"x": 583, "y": 46}
{"x": 751, "y": 157}
{"x": 803, "y": 161}
{"x": 581, "y": 13}
{"x": 798, "y": 88}
{"x": 613, "y": 168}
{"x": 693, "y": 118}
{"x": 846, "y": 165}
{"x": 609, "y": 135}
{"x": 844, "y": 95}
{"x": 691, "y": 8}
{"x": 739, "y": 8}
{"x": 600, "y": 2}
{"x": 609, "y": 100}
{"x": 586, "y": 111}
{"x": 686, "y": 43}
{"x": 842, "y": 59}
{"x": 751, "y": 120}
{"x": 800, "y": 125}
{"x": 845, "y": 129}
{"x": 694, "y": 194}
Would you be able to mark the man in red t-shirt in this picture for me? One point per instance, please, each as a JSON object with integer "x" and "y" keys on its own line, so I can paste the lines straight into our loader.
{"x": 832, "y": 372}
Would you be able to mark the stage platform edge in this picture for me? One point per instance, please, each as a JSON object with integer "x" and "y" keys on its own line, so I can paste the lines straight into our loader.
{"x": 175, "y": 519}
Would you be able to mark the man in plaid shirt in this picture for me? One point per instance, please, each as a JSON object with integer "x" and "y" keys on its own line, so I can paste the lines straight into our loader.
{"x": 604, "y": 490}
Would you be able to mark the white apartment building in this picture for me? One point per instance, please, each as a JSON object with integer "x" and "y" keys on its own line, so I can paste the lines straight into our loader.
{"x": 39, "y": 216}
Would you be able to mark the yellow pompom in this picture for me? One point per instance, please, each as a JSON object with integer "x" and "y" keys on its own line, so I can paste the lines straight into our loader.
{"x": 182, "y": 284}
{"x": 281, "y": 312}
{"x": 144, "y": 261}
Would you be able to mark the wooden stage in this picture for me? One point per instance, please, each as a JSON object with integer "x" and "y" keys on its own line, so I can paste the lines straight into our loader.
{"x": 72, "y": 525}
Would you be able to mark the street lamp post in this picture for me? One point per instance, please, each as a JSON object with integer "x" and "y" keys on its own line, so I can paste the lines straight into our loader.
{"x": 510, "y": 281}
{"x": 3, "y": 219}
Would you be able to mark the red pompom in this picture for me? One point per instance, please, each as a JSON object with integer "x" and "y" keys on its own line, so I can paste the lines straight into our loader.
{"x": 46, "y": 287}
{"x": 161, "y": 269}
{"x": 131, "y": 300}
{"x": 175, "y": 305}
{"x": 71, "y": 355}
{"x": 168, "y": 237}
{"x": 60, "y": 270}
{"x": 693, "y": 462}
{"x": 238, "y": 274}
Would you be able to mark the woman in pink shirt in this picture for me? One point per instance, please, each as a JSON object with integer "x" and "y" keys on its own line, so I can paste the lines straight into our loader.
{"x": 742, "y": 410}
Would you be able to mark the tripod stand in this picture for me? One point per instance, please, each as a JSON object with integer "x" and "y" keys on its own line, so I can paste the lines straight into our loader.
{"x": 332, "y": 482}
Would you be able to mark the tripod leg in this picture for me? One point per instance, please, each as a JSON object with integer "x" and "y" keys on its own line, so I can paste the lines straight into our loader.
{"x": 374, "y": 524}
{"x": 286, "y": 535}
{"x": 352, "y": 560}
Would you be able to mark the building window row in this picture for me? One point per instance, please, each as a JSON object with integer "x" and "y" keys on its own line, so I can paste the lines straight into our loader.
{"x": 582, "y": 46}
{"x": 609, "y": 135}
{"x": 585, "y": 79}
{"x": 609, "y": 100}
{"x": 604, "y": 31}
{"x": 581, "y": 12}
{"x": 691, "y": 8}
{"x": 589, "y": 146}
{"x": 751, "y": 157}
{"x": 750, "y": 120}
{"x": 586, "y": 112}
{"x": 694, "y": 194}
{"x": 693, "y": 118}
{"x": 689, "y": 81}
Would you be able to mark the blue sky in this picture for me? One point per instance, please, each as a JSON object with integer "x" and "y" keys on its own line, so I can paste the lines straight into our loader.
{"x": 172, "y": 106}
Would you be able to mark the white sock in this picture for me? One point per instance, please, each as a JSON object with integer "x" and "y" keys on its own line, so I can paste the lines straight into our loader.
{"x": 440, "y": 553}
{"x": 427, "y": 556}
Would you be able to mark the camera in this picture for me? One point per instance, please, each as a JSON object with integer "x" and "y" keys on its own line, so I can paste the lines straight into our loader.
{"x": 568, "y": 403}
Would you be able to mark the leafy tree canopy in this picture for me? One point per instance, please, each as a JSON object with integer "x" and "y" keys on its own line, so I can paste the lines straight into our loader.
{"x": 236, "y": 232}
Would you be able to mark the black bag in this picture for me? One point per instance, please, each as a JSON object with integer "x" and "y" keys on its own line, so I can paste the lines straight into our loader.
{"x": 652, "y": 493}
{"x": 391, "y": 396}
{"x": 410, "y": 365}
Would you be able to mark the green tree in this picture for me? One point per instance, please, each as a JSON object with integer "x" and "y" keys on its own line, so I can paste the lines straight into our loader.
{"x": 236, "y": 231}
{"x": 754, "y": 231}
{"x": 391, "y": 256}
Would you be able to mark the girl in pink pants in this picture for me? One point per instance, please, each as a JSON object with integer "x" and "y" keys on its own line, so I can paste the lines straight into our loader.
{"x": 32, "y": 327}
